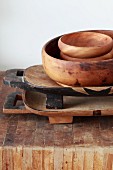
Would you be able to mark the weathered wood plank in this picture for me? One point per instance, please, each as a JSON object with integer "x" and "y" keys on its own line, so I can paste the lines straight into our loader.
{"x": 78, "y": 159}
{"x": 37, "y": 158}
{"x": 1, "y": 157}
{"x": 58, "y": 158}
{"x": 68, "y": 155}
{"x": 109, "y": 159}
{"x": 27, "y": 158}
{"x": 7, "y": 162}
{"x": 98, "y": 159}
{"x": 17, "y": 157}
{"x": 48, "y": 158}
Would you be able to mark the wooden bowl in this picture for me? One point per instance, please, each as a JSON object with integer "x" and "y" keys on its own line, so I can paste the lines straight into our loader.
{"x": 107, "y": 32}
{"x": 103, "y": 57}
{"x": 85, "y": 44}
{"x": 90, "y": 73}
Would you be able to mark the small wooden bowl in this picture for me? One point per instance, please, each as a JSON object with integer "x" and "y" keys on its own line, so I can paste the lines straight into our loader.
{"x": 107, "y": 32}
{"x": 103, "y": 57}
{"x": 90, "y": 73}
{"x": 85, "y": 44}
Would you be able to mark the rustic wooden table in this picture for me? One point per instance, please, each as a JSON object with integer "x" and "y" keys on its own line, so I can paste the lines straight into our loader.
{"x": 29, "y": 142}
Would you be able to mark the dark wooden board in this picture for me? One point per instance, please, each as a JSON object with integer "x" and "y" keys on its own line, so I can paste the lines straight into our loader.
{"x": 35, "y": 79}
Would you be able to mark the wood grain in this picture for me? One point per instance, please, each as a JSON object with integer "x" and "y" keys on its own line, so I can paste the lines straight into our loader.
{"x": 17, "y": 157}
{"x": 68, "y": 155}
{"x": 37, "y": 158}
{"x": 58, "y": 163}
{"x": 49, "y": 158}
{"x": 68, "y": 158}
{"x": 1, "y": 157}
{"x": 88, "y": 159}
{"x": 27, "y": 158}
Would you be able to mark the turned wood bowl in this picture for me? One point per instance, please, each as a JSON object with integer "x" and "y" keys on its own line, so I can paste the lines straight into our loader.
{"x": 80, "y": 73}
{"x": 99, "y": 58}
{"x": 85, "y": 44}
{"x": 107, "y": 32}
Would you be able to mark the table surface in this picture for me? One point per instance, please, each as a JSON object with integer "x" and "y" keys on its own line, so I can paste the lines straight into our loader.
{"x": 34, "y": 130}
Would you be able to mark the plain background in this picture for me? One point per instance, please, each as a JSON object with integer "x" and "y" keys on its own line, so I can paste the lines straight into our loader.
{"x": 26, "y": 25}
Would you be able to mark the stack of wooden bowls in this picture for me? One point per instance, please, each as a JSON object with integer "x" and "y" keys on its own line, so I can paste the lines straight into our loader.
{"x": 85, "y": 45}
{"x": 80, "y": 59}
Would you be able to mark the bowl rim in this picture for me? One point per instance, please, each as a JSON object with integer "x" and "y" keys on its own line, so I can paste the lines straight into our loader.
{"x": 84, "y": 47}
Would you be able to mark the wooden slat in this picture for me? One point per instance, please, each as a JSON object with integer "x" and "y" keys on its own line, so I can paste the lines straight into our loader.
{"x": 98, "y": 159}
{"x": 37, "y": 158}
{"x": 78, "y": 160}
{"x": 67, "y": 162}
{"x": 105, "y": 159}
{"x": 27, "y": 158}
{"x": 7, "y": 162}
{"x": 88, "y": 159}
{"x": 1, "y": 157}
{"x": 17, "y": 157}
{"x": 58, "y": 158}
{"x": 110, "y": 159}
{"x": 48, "y": 158}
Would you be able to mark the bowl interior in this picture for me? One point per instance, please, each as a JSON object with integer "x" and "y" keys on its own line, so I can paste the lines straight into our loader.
{"x": 52, "y": 48}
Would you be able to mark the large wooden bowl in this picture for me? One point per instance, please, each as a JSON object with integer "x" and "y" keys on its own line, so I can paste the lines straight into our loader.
{"x": 85, "y": 44}
{"x": 91, "y": 73}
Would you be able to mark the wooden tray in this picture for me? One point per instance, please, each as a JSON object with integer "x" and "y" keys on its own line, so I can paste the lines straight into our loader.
{"x": 35, "y": 102}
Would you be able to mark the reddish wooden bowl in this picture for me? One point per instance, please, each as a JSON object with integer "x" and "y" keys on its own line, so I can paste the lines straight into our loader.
{"x": 91, "y": 73}
{"x": 103, "y": 57}
{"x": 107, "y": 32}
{"x": 85, "y": 44}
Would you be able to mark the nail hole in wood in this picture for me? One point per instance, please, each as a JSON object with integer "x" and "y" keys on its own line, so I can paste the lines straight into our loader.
{"x": 20, "y": 73}
{"x": 97, "y": 113}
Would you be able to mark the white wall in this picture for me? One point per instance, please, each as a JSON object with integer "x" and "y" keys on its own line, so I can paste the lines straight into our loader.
{"x": 25, "y": 25}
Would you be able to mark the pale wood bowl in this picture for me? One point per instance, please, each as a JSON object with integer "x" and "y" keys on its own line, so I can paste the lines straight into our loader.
{"x": 85, "y": 44}
{"x": 90, "y": 73}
